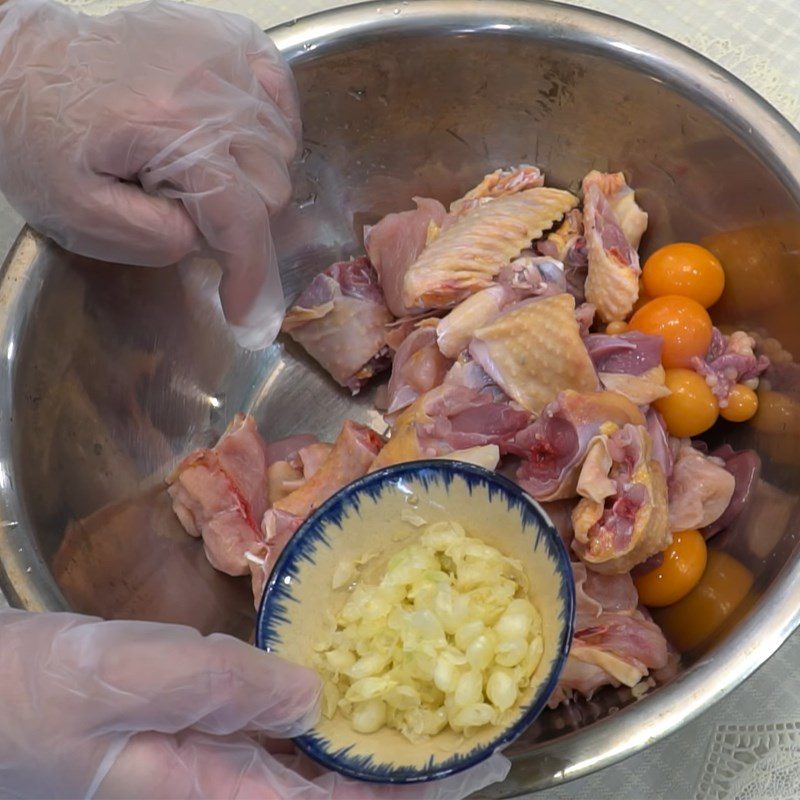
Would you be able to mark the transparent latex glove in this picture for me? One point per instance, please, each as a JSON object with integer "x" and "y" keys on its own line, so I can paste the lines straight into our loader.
{"x": 154, "y": 132}
{"x": 139, "y": 709}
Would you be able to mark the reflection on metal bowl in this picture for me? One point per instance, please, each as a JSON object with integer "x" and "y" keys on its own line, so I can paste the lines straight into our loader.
{"x": 110, "y": 374}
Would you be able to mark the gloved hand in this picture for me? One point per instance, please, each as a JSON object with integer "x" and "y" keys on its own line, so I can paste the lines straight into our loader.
{"x": 138, "y": 709}
{"x": 151, "y": 133}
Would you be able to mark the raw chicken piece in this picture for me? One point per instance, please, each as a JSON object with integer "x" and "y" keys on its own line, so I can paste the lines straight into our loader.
{"x": 745, "y": 466}
{"x": 534, "y": 350}
{"x": 622, "y": 518}
{"x": 534, "y": 275}
{"x": 418, "y": 367}
{"x": 313, "y": 456}
{"x": 466, "y": 256}
{"x": 486, "y": 456}
{"x": 524, "y": 277}
{"x": 221, "y": 494}
{"x": 639, "y": 389}
{"x": 394, "y": 243}
{"x": 295, "y": 466}
{"x": 554, "y": 446}
{"x": 633, "y": 353}
{"x": 278, "y": 528}
{"x": 730, "y": 360}
{"x": 630, "y": 364}
{"x": 497, "y": 184}
{"x": 615, "y": 643}
{"x": 622, "y": 199}
{"x": 286, "y": 449}
{"x": 468, "y": 373}
{"x": 612, "y": 283}
{"x": 257, "y": 563}
{"x": 455, "y": 331}
{"x": 584, "y": 316}
{"x": 568, "y": 244}
{"x": 349, "y": 458}
{"x": 451, "y": 418}
{"x": 700, "y": 489}
{"x": 662, "y": 452}
{"x": 340, "y": 320}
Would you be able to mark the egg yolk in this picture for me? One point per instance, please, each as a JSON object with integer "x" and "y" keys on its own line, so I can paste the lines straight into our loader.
{"x": 691, "y": 408}
{"x": 742, "y": 404}
{"x": 687, "y": 270}
{"x": 683, "y": 324}
{"x": 721, "y": 591}
{"x": 680, "y": 571}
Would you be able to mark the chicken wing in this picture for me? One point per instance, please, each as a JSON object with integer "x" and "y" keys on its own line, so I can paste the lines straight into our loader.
{"x": 466, "y": 256}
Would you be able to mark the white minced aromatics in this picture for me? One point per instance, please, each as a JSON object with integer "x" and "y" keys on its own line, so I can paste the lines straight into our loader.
{"x": 447, "y": 637}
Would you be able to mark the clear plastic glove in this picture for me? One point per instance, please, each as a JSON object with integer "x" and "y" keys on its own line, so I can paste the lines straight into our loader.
{"x": 138, "y": 709}
{"x": 149, "y": 134}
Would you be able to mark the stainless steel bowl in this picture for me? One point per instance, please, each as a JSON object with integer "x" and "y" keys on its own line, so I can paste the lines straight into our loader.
{"x": 111, "y": 373}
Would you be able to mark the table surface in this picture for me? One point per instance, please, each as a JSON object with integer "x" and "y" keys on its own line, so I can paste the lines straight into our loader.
{"x": 748, "y": 745}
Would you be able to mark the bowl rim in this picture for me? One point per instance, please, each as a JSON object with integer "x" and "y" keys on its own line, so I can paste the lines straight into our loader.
{"x": 517, "y": 500}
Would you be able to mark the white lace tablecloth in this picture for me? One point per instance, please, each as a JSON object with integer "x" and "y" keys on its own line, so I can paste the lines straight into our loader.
{"x": 748, "y": 746}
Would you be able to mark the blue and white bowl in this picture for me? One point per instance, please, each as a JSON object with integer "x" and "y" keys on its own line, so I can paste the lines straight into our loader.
{"x": 366, "y": 517}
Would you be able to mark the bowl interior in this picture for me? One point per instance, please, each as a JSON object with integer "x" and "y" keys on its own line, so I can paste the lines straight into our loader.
{"x": 111, "y": 374}
{"x": 367, "y": 518}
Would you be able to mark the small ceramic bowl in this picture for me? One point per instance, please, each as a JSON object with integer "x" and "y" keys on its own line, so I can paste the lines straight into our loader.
{"x": 366, "y": 517}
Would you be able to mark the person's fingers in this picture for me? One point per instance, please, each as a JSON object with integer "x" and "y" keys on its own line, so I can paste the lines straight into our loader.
{"x": 138, "y": 676}
{"x": 229, "y": 212}
{"x": 195, "y": 765}
{"x": 110, "y": 220}
{"x": 265, "y": 169}
{"x": 258, "y": 326}
{"x": 276, "y": 78}
{"x": 454, "y": 787}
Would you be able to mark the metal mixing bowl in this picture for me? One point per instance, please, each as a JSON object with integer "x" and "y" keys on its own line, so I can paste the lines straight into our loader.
{"x": 111, "y": 373}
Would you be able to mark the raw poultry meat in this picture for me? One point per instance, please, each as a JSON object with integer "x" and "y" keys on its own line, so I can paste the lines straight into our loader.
{"x": 630, "y": 364}
{"x": 730, "y": 360}
{"x": 615, "y": 643}
{"x": 292, "y": 461}
{"x": 700, "y": 489}
{"x": 340, "y": 320}
{"x": 448, "y": 419}
{"x": 526, "y": 276}
{"x": 466, "y": 256}
{"x": 662, "y": 450}
{"x": 394, "y": 243}
{"x": 349, "y": 458}
{"x": 568, "y": 244}
{"x": 622, "y": 199}
{"x": 745, "y": 466}
{"x": 496, "y": 360}
{"x": 612, "y": 282}
{"x": 534, "y": 350}
{"x": 221, "y": 494}
{"x": 633, "y": 353}
{"x": 496, "y": 184}
{"x": 622, "y": 518}
{"x": 418, "y": 367}
{"x": 554, "y": 446}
